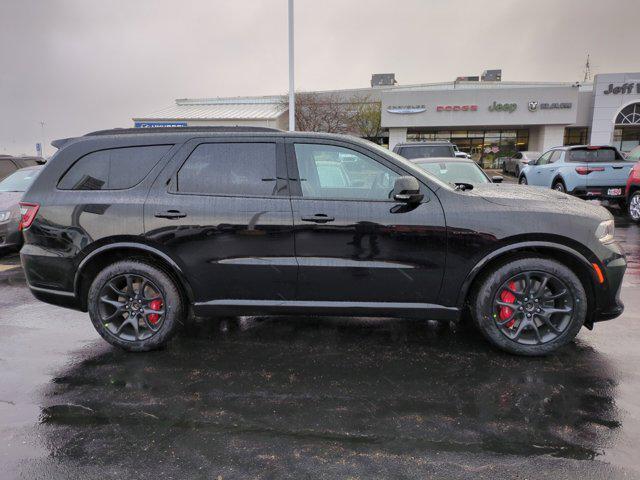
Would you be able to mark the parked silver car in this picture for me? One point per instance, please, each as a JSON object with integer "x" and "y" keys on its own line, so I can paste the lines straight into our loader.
{"x": 11, "y": 190}
{"x": 517, "y": 162}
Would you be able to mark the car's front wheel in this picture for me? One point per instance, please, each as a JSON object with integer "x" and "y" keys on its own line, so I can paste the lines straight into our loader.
{"x": 135, "y": 305}
{"x": 522, "y": 180}
{"x": 530, "y": 306}
{"x": 634, "y": 206}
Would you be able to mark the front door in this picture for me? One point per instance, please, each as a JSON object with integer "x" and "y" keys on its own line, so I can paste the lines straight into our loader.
{"x": 539, "y": 172}
{"x": 353, "y": 242}
{"x": 222, "y": 210}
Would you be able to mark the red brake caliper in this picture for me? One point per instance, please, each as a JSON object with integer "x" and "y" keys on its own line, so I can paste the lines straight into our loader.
{"x": 507, "y": 297}
{"x": 154, "y": 317}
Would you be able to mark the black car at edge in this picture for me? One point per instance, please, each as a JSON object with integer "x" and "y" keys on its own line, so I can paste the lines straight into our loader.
{"x": 144, "y": 228}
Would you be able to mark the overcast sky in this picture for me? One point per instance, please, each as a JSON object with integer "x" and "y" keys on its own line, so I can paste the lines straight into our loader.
{"x": 82, "y": 65}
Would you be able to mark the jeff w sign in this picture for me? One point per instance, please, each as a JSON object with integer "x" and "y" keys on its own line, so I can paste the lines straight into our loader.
{"x": 624, "y": 89}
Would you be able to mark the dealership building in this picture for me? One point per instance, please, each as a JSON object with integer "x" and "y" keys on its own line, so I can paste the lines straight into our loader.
{"x": 482, "y": 117}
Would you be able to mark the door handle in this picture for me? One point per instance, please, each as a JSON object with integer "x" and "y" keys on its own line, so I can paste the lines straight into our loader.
{"x": 318, "y": 218}
{"x": 170, "y": 214}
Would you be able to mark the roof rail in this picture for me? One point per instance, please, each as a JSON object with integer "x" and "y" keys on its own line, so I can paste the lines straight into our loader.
{"x": 128, "y": 131}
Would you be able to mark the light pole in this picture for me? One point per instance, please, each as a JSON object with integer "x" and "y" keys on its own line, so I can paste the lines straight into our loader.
{"x": 42, "y": 136}
{"x": 292, "y": 93}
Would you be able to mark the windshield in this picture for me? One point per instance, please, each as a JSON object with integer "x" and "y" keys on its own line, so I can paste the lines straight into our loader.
{"x": 427, "y": 151}
{"x": 19, "y": 181}
{"x": 455, "y": 172}
{"x": 407, "y": 165}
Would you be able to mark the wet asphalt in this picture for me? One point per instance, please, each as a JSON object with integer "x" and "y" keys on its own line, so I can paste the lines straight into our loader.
{"x": 301, "y": 397}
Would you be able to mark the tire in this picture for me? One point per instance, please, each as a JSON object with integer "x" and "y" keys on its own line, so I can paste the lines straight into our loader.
{"x": 633, "y": 206}
{"x": 110, "y": 310}
{"x": 559, "y": 186}
{"x": 523, "y": 180}
{"x": 541, "y": 340}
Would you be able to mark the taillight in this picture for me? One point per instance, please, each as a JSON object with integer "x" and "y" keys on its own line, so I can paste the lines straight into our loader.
{"x": 28, "y": 212}
{"x": 588, "y": 170}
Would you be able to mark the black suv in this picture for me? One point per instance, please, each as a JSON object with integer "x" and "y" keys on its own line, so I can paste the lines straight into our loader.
{"x": 143, "y": 228}
{"x": 429, "y": 149}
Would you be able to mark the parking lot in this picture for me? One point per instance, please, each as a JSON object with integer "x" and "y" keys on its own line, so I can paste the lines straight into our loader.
{"x": 307, "y": 397}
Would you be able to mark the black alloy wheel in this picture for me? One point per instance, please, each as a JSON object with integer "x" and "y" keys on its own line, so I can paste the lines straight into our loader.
{"x": 131, "y": 307}
{"x": 135, "y": 305}
{"x": 529, "y": 306}
{"x": 533, "y": 308}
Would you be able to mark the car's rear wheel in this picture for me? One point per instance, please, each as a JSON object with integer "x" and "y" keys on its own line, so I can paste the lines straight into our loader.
{"x": 634, "y": 206}
{"x": 531, "y": 306}
{"x": 517, "y": 171}
{"x": 135, "y": 306}
{"x": 558, "y": 186}
{"x": 523, "y": 180}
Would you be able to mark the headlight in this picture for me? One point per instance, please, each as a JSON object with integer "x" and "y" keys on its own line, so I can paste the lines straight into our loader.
{"x": 4, "y": 216}
{"x": 605, "y": 231}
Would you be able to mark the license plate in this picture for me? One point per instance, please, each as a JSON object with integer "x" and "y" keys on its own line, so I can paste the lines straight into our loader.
{"x": 614, "y": 192}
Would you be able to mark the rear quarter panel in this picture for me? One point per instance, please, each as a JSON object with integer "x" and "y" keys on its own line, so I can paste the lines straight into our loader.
{"x": 72, "y": 223}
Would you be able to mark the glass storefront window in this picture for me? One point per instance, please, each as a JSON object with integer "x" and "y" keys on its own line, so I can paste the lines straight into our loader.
{"x": 626, "y": 138}
{"x": 485, "y": 146}
{"x": 576, "y": 136}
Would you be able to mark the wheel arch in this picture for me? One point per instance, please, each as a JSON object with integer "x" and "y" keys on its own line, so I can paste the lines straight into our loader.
{"x": 99, "y": 258}
{"x": 557, "y": 178}
{"x": 563, "y": 254}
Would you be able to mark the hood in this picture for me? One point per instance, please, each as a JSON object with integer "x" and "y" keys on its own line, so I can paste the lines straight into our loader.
{"x": 10, "y": 200}
{"x": 538, "y": 198}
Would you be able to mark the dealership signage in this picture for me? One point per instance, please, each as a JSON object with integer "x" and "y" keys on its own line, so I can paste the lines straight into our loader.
{"x": 624, "y": 89}
{"x": 160, "y": 124}
{"x": 457, "y": 108}
{"x": 406, "y": 108}
{"x": 503, "y": 107}
{"x": 535, "y": 105}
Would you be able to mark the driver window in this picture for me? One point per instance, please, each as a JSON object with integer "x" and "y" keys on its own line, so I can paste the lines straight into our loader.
{"x": 331, "y": 172}
{"x": 544, "y": 159}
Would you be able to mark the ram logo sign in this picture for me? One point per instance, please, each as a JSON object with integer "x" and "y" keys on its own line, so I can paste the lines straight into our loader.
{"x": 533, "y": 106}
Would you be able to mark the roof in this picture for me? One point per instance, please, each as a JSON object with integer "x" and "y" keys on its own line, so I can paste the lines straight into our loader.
{"x": 253, "y": 108}
{"x": 442, "y": 159}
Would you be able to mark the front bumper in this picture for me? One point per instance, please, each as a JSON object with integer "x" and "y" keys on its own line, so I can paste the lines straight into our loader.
{"x": 613, "y": 265}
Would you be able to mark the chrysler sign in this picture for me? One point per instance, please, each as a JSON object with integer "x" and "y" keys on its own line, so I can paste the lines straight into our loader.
{"x": 407, "y": 108}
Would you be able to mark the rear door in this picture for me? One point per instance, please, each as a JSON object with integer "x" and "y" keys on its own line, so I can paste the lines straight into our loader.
{"x": 222, "y": 210}
{"x": 354, "y": 243}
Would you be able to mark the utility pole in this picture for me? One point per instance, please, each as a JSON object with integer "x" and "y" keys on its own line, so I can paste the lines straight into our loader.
{"x": 587, "y": 70}
{"x": 292, "y": 92}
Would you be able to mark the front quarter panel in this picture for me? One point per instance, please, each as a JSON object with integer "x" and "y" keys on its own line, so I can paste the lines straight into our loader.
{"x": 477, "y": 227}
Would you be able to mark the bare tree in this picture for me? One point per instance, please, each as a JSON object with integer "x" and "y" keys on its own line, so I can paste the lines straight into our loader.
{"x": 366, "y": 117}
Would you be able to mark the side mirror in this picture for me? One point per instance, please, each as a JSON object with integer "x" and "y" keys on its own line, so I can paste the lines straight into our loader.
{"x": 497, "y": 179}
{"x": 407, "y": 190}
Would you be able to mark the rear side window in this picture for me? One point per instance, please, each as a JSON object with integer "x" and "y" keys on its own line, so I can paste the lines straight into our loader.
{"x": 230, "y": 169}
{"x": 6, "y": 167}
{"x": 112, "y": 169}
{"x": 589, "y": 155}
